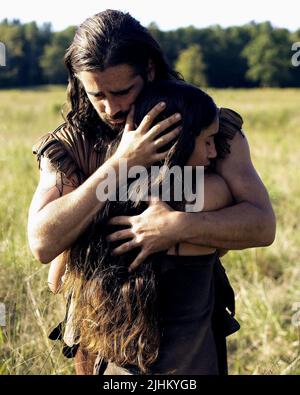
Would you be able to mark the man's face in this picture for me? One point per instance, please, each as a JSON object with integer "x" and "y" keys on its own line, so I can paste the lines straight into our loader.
{"x": 205, "y": 149}
{"x": 112, "y": 92}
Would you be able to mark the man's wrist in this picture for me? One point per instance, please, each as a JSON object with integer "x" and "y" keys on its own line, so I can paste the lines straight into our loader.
{"x": 185, "y": 226}
{"x": 180, "y": 226}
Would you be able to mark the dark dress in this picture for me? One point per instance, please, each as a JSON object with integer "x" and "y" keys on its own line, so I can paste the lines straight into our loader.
{"x": 196, "y": 306}
{"x": 186, "y": 303}
{"x": 186, "y": 299}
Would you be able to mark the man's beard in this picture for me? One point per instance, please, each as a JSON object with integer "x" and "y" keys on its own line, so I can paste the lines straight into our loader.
{"x": 116, "y": 128}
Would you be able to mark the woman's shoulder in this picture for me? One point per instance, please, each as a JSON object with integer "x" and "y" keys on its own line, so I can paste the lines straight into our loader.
{"x": 214, "y": 181}
{"x": 216, "y": 192}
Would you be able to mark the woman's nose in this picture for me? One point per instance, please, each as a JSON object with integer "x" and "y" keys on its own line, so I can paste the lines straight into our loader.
{"x": 212, "y": 151}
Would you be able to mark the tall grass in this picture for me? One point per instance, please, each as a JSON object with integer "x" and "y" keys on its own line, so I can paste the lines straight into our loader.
{"x": 266, "y": 280}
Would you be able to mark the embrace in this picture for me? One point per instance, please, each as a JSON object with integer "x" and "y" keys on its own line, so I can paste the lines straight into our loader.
{"x": 145, "y": 290}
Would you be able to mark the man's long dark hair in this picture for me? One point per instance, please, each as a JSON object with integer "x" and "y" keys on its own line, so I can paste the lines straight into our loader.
{"x": 107, "y": 39}
{"x": 116, "y": 312}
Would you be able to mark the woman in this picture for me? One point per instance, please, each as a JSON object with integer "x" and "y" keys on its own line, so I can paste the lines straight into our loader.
{"x": 156, "y": 319}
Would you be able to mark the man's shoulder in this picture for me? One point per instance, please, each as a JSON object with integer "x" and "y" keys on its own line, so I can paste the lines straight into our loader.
{"x": 69, "y": 151}
{"x": 236, "y": 159}
{"x": 231, "y": 124}
{"x": 61, "y": 136}
{"x": 59, "y": 147}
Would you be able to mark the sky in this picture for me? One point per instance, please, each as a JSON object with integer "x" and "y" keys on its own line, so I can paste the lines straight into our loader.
{"x": 168, "y": 15}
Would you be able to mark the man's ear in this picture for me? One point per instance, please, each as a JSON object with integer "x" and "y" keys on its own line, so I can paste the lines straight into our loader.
{"x": 151, "y": 70}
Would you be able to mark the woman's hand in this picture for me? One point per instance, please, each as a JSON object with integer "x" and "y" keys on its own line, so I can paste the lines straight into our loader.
{"x": 139, "y": 146}
{"x": 153, "y": 230}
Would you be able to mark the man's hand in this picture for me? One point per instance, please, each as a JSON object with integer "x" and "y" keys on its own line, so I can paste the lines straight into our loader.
{"x": 139, "y": 145}
{"x": 154, "y": 230}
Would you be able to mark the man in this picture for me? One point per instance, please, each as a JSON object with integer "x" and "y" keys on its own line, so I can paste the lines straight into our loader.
{"x": 109, "y": 61}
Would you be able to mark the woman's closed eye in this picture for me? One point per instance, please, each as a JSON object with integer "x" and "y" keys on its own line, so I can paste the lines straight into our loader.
{"x": 210, "y": 141}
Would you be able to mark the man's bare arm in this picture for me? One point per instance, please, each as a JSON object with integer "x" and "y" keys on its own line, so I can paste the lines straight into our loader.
{"x": 61, "y": 210}
{"x": 250, "y": 222}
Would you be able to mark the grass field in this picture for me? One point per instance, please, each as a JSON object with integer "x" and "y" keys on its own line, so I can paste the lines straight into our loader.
{"x": 266, "y": 280}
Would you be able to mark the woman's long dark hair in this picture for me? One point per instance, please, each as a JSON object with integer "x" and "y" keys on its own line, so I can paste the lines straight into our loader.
{"x": 108, "y": 39}
{"x": 116, "y": 312}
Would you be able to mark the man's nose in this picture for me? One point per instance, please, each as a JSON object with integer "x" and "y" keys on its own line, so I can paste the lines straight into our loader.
{"x": 112, "y": 108}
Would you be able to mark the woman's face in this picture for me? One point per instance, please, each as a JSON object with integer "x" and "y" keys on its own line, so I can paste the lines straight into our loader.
{"x": 205, "y": 149}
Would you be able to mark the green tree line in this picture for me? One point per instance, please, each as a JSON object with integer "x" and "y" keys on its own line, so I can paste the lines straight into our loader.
{"x": 252, "y": 55}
